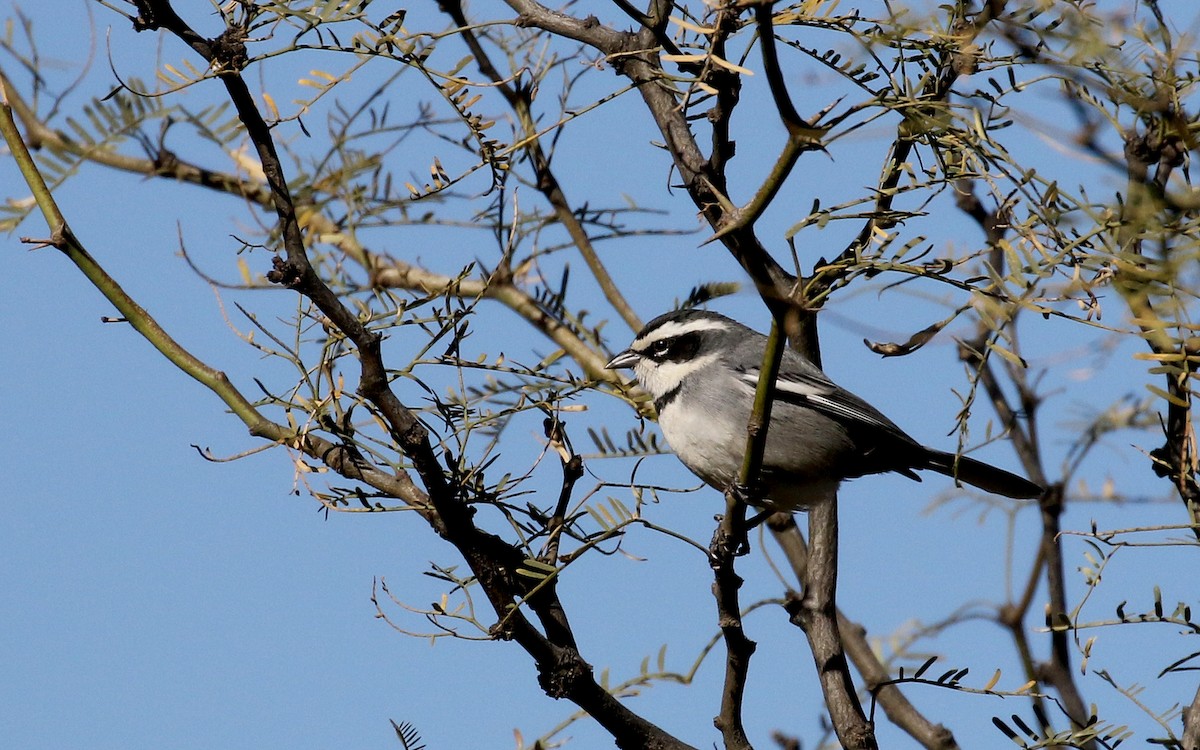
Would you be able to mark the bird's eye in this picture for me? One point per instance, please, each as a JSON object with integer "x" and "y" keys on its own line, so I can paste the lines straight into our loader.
{"x": 675, "y": 349}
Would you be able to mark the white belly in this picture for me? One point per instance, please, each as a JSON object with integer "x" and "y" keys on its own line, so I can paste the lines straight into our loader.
{"x": 715, "y": 455}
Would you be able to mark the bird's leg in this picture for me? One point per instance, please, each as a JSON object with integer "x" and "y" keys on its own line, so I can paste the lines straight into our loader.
{"x": 730, "y": 539}
{"x": 726, "y": 544}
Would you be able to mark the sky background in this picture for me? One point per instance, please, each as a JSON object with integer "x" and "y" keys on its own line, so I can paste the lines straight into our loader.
{"x": 155, "y": 599}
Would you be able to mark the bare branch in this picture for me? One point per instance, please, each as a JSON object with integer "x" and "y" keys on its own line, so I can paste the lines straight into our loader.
{"x": 898, "y": 709}
{"x": 815, "y": 612}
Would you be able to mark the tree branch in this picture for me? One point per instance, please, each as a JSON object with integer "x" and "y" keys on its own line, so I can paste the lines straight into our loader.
{"x": 163, "y": 164}
{"x": 727, "y": 541}
{"x": 815, "y": 612}
{"x": 340, "y": 458}
{"x": 520, "y": 98}
{"x": 394, "y": 273}
{"x": 937, "y": 89}
{"x": 896, "y": 707}
{"x": 1057, "y": 671}
{"x": 1176, "y": 459}
{"x": 801, "y": 135}
{"x": 1191, "y": 724}
{"x": 562, "y": 672}
{"x": 635, "y": 56}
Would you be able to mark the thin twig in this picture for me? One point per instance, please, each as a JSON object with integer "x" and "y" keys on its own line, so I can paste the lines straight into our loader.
{"x": 520, "y": 98}
{"x": 802, "y": 136}
{"x": 934, "y": 94}
{"x": 572, "y": 468}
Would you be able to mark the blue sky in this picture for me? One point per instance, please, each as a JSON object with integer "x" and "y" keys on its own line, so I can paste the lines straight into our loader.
{"x": 155, "y": 599}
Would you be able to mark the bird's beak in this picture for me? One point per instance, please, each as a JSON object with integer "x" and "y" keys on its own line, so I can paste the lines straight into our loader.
{"x": 627, "y": 358}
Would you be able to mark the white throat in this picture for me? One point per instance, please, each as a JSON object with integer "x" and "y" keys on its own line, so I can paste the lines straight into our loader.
{"x": 660, "y": 378}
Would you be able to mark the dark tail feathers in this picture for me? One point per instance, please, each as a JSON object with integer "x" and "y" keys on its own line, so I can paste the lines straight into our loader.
{"x": 984, "y": 476}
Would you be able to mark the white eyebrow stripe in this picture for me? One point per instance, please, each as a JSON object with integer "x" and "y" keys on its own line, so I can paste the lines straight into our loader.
{"x": 674, "y": 329}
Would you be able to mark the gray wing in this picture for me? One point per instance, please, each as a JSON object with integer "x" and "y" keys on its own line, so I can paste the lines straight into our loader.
{"x": 881, "y": 444}
{"x": 802, "y": 384}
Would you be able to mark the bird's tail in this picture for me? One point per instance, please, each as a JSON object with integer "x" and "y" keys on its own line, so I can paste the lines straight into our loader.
{"x": 984, "y": 476}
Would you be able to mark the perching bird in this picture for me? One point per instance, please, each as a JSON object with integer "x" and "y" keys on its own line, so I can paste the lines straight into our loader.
{"x": 702, "y": 369}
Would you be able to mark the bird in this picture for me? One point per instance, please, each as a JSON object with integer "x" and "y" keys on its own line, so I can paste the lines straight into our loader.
{"x": 701, "y": 369}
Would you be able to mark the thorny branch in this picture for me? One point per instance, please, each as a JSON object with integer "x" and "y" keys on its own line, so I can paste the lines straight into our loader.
{"x": 730, "y": 533}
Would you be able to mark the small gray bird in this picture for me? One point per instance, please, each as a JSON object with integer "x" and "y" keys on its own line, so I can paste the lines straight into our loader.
{"x": 702, "y": 368}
